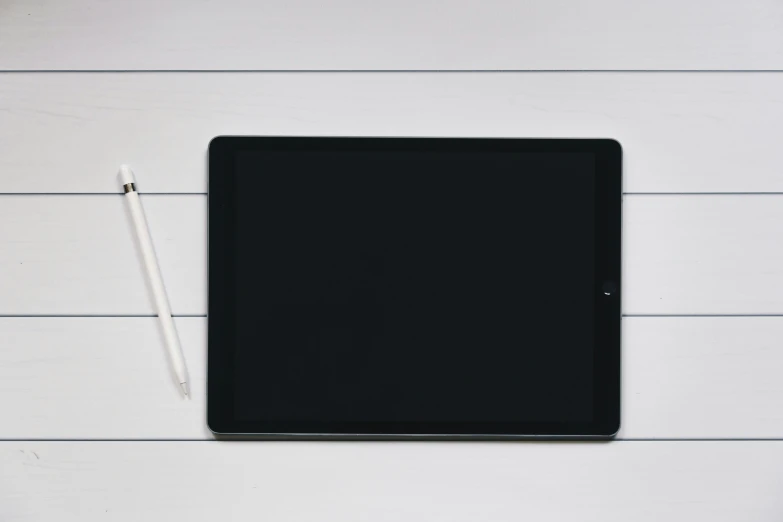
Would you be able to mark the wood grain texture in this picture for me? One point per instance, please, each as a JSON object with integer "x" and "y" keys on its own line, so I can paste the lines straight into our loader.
{"x": 684, "y": 132}
{"x": 204, "y": 481}
{"x": 702, "y": 255}
{"x": 107, "y": 378}
{"x": 75, "y": 255}
{"x": 348, "y": 34}
{"x": 99, "y": 378}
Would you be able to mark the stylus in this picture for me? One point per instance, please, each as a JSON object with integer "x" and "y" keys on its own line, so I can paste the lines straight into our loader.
{"x": 162, "y": 307}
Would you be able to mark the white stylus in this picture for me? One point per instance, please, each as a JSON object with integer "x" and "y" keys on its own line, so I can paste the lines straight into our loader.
{"x": 128, "y": 183}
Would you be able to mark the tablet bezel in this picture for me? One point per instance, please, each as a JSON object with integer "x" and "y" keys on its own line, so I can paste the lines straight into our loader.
{"x": 221, "y": 227}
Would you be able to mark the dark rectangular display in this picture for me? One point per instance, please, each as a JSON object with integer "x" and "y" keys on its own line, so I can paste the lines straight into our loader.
{"x": 370, "y": 286}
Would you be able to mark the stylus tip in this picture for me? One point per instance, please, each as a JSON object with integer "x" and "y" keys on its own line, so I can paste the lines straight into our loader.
{"x": 184, "y": 386}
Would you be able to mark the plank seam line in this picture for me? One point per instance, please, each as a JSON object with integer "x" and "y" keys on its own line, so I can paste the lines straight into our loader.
{"x": 381, "y": 71}
{"x": 91, "y": 316}
{"x": 699, "y": 315}
{"x": 632, "y": 194}
{"x": 132, "y": 316}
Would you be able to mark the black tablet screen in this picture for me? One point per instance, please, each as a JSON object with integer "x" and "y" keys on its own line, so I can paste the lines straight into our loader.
{"x": 414, "y": 286}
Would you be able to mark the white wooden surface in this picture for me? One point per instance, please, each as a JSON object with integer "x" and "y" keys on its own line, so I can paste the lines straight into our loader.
{"x": 683, "y": 378}
{"x": 206, "y": 481}
{"x": 406, "y": 34}
{"x": 703, "y": 273}
{"x": 74, "y": 254}
{"x": 681, "y": 132}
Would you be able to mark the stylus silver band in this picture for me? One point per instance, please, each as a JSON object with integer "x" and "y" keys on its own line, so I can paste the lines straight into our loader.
{"x": 129, "y": 187}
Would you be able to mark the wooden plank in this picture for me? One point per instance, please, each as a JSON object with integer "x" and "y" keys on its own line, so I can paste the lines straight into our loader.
{"x": 347, "y": 34}
{"x": 688, "y": 132}
{"x": 203, "y": 481}
{"x": 107, "y": 378}
{"x": 99, "y": 378}
{"x": 702, "y": 255}
{"x": 702, "y": 377}
{"x": 75, "y": 255}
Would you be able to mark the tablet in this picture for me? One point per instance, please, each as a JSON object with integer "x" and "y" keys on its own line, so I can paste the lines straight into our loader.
{"x": 414, "y": 287}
